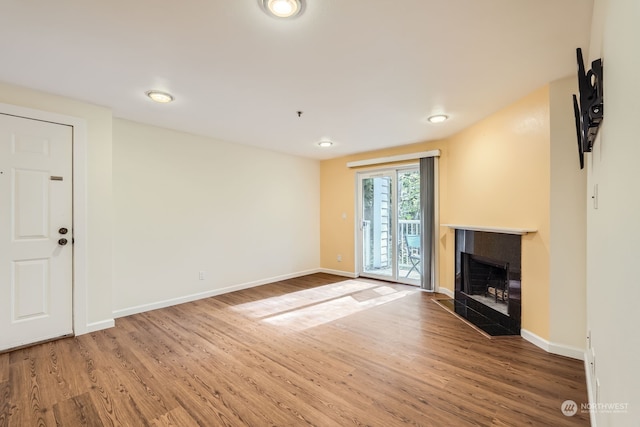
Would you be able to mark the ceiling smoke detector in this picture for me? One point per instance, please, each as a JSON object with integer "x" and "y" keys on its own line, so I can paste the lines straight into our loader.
{"x": 282, "y": 8}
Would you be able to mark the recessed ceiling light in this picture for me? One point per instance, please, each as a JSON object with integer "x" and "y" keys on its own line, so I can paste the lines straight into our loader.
{"x": 282, "y": 8}
{"x": 438, "y": 118}
{"x": 158, "y": 96}
{"x": 325, "y": 143}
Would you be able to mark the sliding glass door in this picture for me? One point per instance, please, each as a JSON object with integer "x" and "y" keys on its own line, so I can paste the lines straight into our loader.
{"x": 377, "y": 225}
{"x": 389, "y": 225}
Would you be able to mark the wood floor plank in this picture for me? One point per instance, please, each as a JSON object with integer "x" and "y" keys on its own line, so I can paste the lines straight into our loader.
{"x": 113, "y": 402}
{"x": 211, "y": 366}
{"x": 25, "y": 401}
{"x": 177, "y": 417}
{"x": 4, "y": 367}
{"x": 126, "y": 374}
{"x": 318, "y": 350}
{"x": 245, "y": 367}
{"x": 77, "y": 411}
{"x": 46, "y": 371}
{"x": 5, "y": 403}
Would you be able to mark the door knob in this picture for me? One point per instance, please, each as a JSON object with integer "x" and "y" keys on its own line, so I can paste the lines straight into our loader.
{"x": 63, "y": 231}
{"x": 62, "y": 242}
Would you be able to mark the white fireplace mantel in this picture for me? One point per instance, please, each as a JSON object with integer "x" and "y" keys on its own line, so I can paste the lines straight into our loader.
{"x": 519, "y": 231}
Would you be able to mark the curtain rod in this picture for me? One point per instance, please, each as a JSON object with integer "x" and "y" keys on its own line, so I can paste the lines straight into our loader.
{"x": 392, "y": 159}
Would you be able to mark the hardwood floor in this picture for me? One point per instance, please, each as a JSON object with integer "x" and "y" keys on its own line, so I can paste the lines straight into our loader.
{"x": 318, "y": 350}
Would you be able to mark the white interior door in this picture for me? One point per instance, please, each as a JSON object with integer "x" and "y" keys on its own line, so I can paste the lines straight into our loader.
{"x": 35, "y": 231}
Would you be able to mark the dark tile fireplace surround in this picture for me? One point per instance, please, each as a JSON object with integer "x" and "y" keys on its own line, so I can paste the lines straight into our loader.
{"x": 487, "y": 280}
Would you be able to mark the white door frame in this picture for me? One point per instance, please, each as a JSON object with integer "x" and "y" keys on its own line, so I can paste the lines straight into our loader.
{"x": 79, "y": 134}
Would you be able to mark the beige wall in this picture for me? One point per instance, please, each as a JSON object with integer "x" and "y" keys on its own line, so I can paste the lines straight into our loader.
{"x": 567, "y": 272}
{"x": 98, "y": 191}
{"x": 338, "y": 204}
{"x": 498, "y": 175}
{"x": 186, "y": 203}
{"x": 495, "y": 173}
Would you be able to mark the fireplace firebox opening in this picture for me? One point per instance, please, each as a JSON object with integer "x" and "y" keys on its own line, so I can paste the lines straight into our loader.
{"x": 488, "y": 280}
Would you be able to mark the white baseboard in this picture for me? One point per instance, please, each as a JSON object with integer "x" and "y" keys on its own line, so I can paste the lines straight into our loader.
{"x": 590, "y": 386}
{"x": 554, "y": 348}
{"x": 338, "y": 273}
{"x": 97, "y": 326}
{"x": 207, "y": 294}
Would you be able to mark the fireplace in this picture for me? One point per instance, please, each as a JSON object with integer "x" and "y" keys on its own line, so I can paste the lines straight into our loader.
{"x": 484, "y": 276}
{"x": 488, "y": 280}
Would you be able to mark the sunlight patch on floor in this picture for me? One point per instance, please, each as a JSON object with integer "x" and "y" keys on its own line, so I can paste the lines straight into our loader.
{"x": 294, "y": 300}
{"x": 328, "y": 311}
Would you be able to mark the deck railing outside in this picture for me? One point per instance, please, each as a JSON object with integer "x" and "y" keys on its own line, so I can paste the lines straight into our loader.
{"x": 405, "y": 227}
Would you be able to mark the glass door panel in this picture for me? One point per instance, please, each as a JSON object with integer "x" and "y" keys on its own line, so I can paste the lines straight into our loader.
{"x": 409, "y": 233}
{"x": 377, "y": 226}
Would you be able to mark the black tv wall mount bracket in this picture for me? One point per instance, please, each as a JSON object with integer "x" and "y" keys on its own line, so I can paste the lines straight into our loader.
{"x": 590, "y": 112}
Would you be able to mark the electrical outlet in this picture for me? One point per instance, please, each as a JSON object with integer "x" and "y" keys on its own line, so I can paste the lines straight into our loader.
{"x": 339, "y": 258}
{"x": 201, "y": 275}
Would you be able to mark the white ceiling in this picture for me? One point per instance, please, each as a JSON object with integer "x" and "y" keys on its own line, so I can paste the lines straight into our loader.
{"x": 365, "y": 73}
